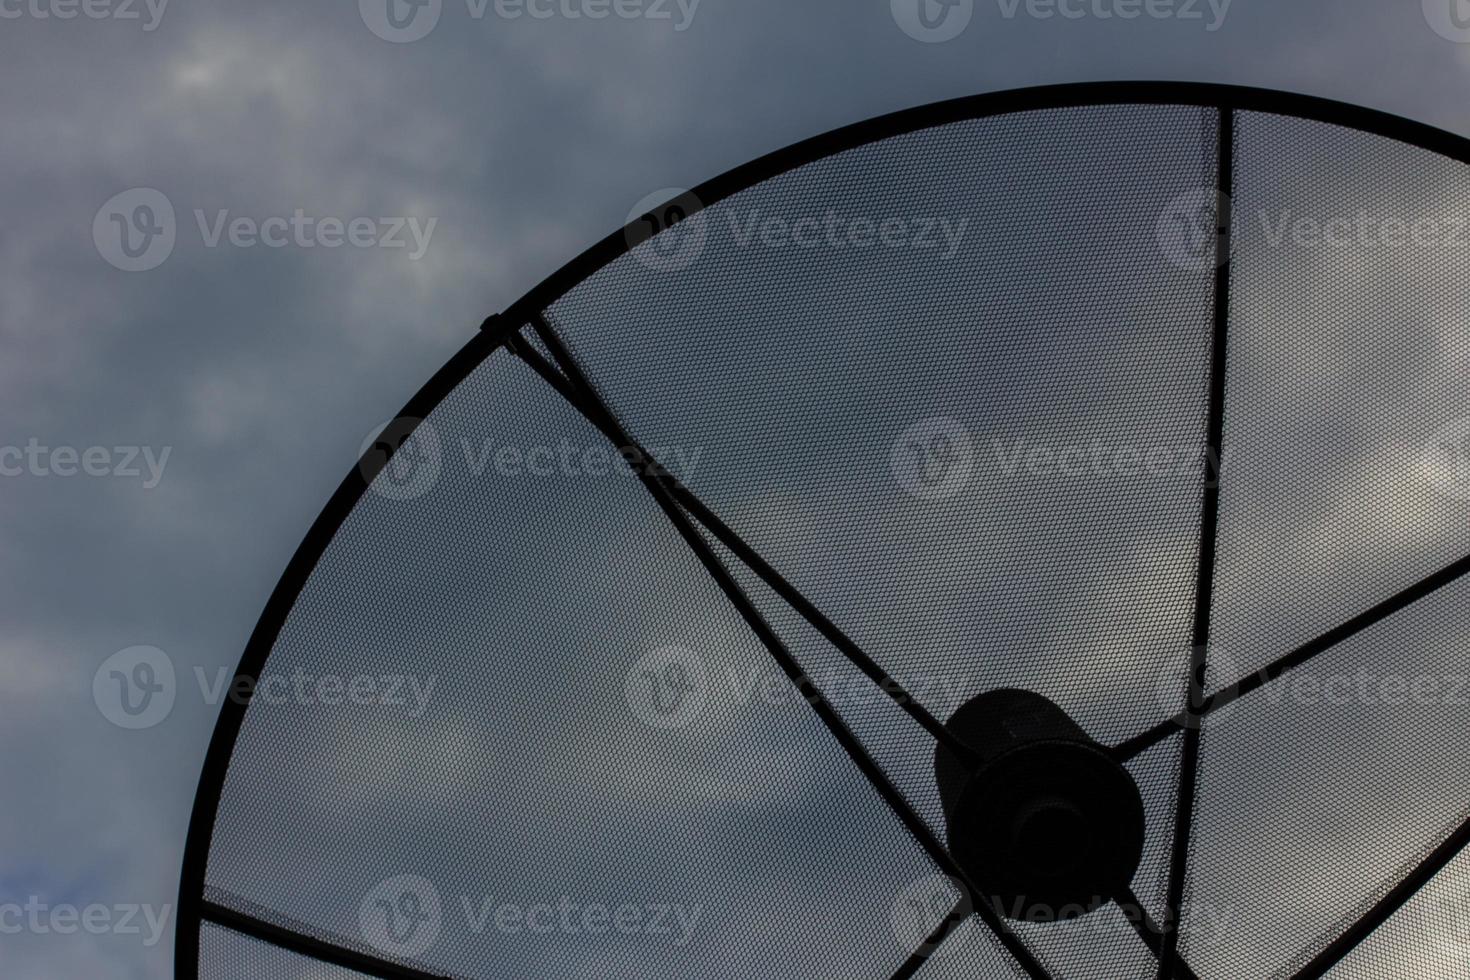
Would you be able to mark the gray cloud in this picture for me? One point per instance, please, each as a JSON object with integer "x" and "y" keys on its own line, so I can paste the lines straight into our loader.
{"x": 263, "y": 369}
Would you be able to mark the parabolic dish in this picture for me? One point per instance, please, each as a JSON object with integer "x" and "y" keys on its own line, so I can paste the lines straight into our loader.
{"x": 1023, "y": 536}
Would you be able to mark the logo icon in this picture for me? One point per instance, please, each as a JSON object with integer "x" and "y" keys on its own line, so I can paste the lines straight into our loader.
{"x": 918, "y": 911}
{"x": 666, "y": 230}
{"x": 667, "y": 688}
{"x": 1221, "y": 671}
{"x": 401, "y": 916}
{"x": 1193, "y": 230}
{"x": 1450, "y": 19}
{"x": 134, "y": 231}
{"x": 933, "y": 21}
{"x": 135, "y": 688}
{"x": 1449, "y": 459}
{"x": 400, "y": 21}
{"x": 933, "y": 459}
{"x": 402, "y": 459}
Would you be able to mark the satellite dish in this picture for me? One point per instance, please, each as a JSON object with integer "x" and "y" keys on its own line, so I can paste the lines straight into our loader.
{"x": 1023, "y": 536}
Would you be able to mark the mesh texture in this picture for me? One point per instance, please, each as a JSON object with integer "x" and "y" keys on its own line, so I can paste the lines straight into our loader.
{"x": 1349, "y": 371}
{"x": 953, "y": 385}
{"x": 540, "y": 773}
{"x": 1349, "y": 374}
{"x": 227, "y": 955}
{"x": 814, "y": 384}
{"x": 1428, "y": 937}
{"x": 1321, "y": 791}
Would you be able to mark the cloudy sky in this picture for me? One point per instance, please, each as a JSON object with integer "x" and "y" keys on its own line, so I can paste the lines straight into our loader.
{"x": 209, "y": 397}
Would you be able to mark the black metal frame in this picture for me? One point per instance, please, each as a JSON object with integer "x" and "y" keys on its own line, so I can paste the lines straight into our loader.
{"x": 683, "y": 509}
{"x": 1168, "y": 951}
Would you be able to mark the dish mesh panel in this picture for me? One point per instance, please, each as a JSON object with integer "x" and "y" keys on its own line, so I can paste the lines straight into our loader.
{"x": 1349, "y": 374}
{"x": 1321, "y": 791}
{"x": 540, "y": 773}
{"x": 227, "y": 955}
{"x": 909, "y": 438}
{"x": 1428, "y": 937}
{"x": 953, "y": 385}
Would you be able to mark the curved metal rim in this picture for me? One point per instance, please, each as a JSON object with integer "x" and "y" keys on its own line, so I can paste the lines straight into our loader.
{"x": 496, "y": 329}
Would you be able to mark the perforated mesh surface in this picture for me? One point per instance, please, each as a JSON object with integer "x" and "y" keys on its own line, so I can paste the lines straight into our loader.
{"x": 1157, "y": 774}
{"x": 894, "y": 736}
{"x": 804, "y": 379}
{"x": 954, "y": 386}
{"x": 530, "y": 779}
{"x": 1349, "y": 375}
{"x": 227, "y": 955}
{"x": 1320, "y": 792}
{"x": 1347, "y": 356}
{"x": 968, "y": 952}
{"x": 1428, "y": 937}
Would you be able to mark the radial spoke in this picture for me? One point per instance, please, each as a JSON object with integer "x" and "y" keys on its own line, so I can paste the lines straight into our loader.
{"x": 1296, "y": 658}
{"x": 1145, "y": 740}
{"x": 934, "y": 940}
{"x": 1388, "y": 904}
{"x": 304, "y": 945}
{"x": 1209, "y": 514}
{"x": 648, "y": 472}
{"x": 1149, "y": 931}
{"x": 581, "y": 400}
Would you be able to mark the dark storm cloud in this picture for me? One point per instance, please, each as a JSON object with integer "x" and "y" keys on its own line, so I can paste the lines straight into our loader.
{"x": 261, "y": 369}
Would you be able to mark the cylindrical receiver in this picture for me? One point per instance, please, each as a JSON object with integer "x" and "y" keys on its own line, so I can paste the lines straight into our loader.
{"x": 1045, "y": 823}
